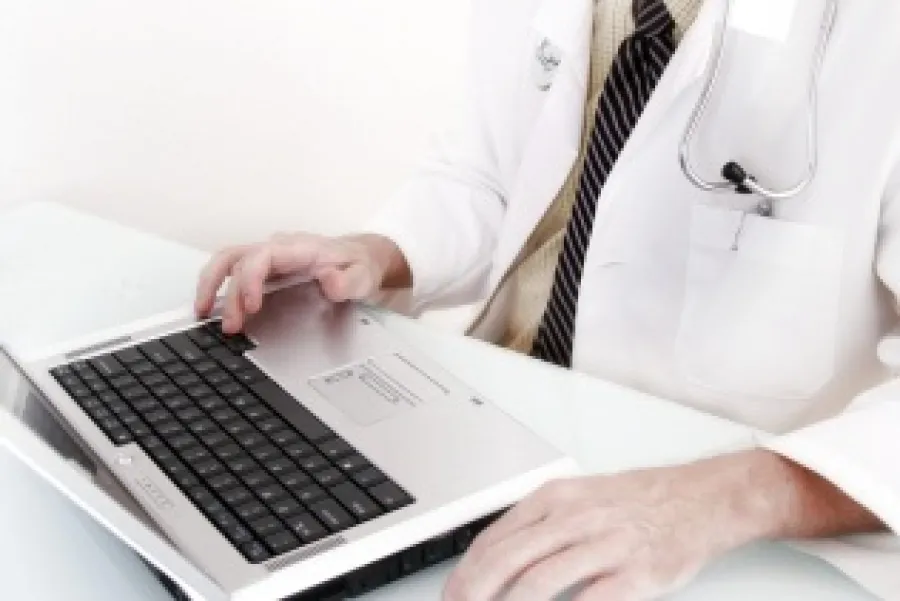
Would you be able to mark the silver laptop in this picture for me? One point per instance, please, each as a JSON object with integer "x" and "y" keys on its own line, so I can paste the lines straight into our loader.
{"x": 314, "y": 456}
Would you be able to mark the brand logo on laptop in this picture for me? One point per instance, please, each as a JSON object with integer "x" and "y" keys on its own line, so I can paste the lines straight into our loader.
{"x": 156, "y": 495}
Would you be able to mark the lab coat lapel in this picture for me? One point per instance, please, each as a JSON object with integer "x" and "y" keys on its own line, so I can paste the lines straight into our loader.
{"x": 552, "y": 146}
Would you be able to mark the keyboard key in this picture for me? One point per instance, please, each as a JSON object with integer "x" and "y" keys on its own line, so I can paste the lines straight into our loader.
{"x": 186, "y": 480}
{"x": 235, "y": 497}
{"x": 248, "y": 376}
{"x": 145, "y": 404}
{"x": 284, "y": 437}
{"x": 238, "y": 343}
{"x": 217, "y": 377}
{"x": 100, "y": 413}
{"x": 231, "y": 362}
{"x": 165, "y": 390}
{"x": 204, "y": 498}
{"x": 280, "y": 465}
{"x": 222, "y": 482}
{"x": 270, "y": 425}
{"x": 89, "y": 375}
{"x": 80, "y": 392}
{"x": 70, "y": 382}
{"x": 202, "y": 338}
{"x": 255, "y": 552}
{"x": 294, "y": 480}
{"x": 154, "y": 378}
{"x": 177, "y": 402}
{"x": 184, "y": 348}
{"x": 302, "y": 420}
{"x": 119, "y": 408}
{"x": 389, "y": 495}
{"x": 80, "y": 367}
{"x": 243, "y": 401}
{"x": 169, "y": 428}
{"x": 332, "y": 515}
{"x": 107, "y": 366}
{"x": 230, "y": 389}
{"x": 61, "y": 371}
{"x": 187, "y": 380}
{"x": 129, "y": 356}
{"x": 310, "y": 494}
{"x": 91, "y": 403}
{"x": 299, "y": 450}
{"x": 228, "y": 451}
{"x": 353, "y": 463}
{"x": 199, "y": 391}
{"x": 356, "y": 501}
{"x": 238, "y": 535}
{"x": 285, "y": 507}
{"x": 157, "y": 416}
{"x": 249, "y": 440}
{"x": 215, "y": 438}
{"x": 256, "y": 412}
{"x": 237, "y": 427}
{"x": 335, "y": 448}
{"x": 208, "y": 469}
{"x": 254, "y": 480}
{"x": 265, "y": 526}
{"x": 242, "y": 464}
{"x": 182, "y": 441}
{"x": 313, "y": 463}
{"x": 139, "y": 369}
{"x": 157, "y": 352}
{"x": 97, "y": 386}
{"x": 224, "y": 519}
{"x": 109, "y": 424}
{"x": 202, "y": 426}
{"x": 282, "y": 542}
{"x": 212, "y": 403}
{"x": 329, "y": 477}
{"x": 266, "y": 453}
{"x": 193, "y": 454}
{"x": 134, "y": 393}
{"x": 224, "y": 415}
{"x": 189, "y": 414}
{"x": 251, "y": 511}
{"x": 307, "y": 528}
{"x": 368, "y": 478}
{"x": 176, "y": 369}
{"x": 123, "y": 381}
{"x": 204, "y": 367}
{"x": 270, "y": 493}
{"x": 120, "y": 436}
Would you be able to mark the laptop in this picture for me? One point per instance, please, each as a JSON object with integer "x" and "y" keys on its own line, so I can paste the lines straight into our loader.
{"x": 314, "y": 456}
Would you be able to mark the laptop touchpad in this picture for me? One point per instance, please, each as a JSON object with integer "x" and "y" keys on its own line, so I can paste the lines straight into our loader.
{"x": 378, "y": 388}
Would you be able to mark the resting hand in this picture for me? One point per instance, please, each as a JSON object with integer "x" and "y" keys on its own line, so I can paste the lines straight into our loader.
{"x": 629, "y": 537}
{"x": 348, "y": 268}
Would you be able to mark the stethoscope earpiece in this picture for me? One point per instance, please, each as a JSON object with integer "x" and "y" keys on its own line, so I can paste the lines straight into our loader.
{"x": 738, "y": 176}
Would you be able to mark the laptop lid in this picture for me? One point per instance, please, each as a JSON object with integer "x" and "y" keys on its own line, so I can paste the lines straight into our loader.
{"x": 31, "y": 430}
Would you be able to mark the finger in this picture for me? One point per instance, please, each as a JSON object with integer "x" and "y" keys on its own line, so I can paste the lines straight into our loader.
{"x": 233, "y": 306}
{"x": 572, "y": 566}
{"x": 485, "y": 573}
{"x": 617, "y": 587}
{"x": 255, "y": 270}
{"x": 212, "y": 276}
{"x": 350, "y": 283}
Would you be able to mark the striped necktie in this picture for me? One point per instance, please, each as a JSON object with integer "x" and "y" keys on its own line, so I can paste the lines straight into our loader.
{"x": 638, "y": 65}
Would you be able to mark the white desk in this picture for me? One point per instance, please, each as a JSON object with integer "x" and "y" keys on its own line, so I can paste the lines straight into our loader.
{"x": 44, "y": 299}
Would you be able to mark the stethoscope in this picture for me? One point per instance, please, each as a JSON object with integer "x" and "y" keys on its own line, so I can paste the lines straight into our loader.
{"x": 736, "y": 178}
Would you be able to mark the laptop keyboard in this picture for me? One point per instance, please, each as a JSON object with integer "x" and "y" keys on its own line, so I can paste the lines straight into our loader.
{"x": 263, "y": 469}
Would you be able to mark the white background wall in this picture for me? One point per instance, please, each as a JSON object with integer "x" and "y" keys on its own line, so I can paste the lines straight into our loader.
{"x": 217, "y": 121}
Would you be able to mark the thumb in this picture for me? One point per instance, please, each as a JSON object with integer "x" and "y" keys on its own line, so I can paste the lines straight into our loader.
{"x": 353, "y": 282}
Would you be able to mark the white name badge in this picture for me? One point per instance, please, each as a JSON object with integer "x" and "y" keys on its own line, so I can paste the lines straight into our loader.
{"x": 771, "y": 19}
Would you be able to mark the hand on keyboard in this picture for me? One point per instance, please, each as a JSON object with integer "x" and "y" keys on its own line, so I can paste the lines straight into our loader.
{"x": 346, "y": 268}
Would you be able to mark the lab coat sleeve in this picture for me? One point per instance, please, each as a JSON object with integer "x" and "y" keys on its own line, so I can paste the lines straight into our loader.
{"x": 446, "y": 217}
{"x": 858, "y": 449}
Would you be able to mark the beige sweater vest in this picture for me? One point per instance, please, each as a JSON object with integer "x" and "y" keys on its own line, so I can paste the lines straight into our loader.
{"x": 526, "y": 287}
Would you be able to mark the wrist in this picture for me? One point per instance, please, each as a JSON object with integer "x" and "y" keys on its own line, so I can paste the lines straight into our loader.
{"x": 387, "y": 258}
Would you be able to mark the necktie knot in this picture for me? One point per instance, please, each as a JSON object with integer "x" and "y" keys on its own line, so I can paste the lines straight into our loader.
{"x": 652, "y": 19}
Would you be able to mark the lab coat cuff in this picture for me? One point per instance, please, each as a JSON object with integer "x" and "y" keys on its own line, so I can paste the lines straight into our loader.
{"x": 834, "y": 449}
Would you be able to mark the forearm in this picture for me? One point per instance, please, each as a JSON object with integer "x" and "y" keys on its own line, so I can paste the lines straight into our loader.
{"x": 760, "y": 495}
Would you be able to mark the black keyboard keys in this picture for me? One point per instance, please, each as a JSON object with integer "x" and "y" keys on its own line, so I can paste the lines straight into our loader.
{"x": 356, "y": 501}
{"x": 332, "y": 515}
{"x": 267, "y": 473}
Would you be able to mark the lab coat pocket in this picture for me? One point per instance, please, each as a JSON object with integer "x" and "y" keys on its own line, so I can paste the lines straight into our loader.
{"x": 760, "y": 318}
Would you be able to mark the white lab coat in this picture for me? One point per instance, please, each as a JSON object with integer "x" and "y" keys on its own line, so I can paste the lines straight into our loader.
{"x": 780, "y": 334}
